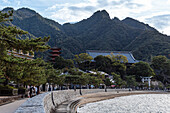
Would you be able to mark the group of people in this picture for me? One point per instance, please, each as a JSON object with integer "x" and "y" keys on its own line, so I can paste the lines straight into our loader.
{"x": 32, "y": 91}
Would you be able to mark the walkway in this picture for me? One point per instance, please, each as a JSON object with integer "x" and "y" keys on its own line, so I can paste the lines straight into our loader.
{"x": 11, "y": 107}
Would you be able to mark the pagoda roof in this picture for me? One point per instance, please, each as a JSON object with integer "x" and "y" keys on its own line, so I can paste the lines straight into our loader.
{"x": 55, "y": 48}
{"x": 55, "y": 52}
{"x": 95, "y": 53}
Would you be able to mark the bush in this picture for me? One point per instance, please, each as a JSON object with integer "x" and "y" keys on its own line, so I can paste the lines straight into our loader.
{"x": 8, "y": 90}
{"x": 6, "y": 87}
{"x": 22, "y": 90}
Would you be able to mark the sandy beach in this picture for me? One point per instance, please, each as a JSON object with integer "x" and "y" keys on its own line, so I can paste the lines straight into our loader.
{"x": 123, "y": 102}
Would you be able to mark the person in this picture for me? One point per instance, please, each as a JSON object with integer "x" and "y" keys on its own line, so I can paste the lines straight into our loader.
{"x": 31, "y": 91}
{"x": 36, "y": 93}
{"x": 28, "y": 93}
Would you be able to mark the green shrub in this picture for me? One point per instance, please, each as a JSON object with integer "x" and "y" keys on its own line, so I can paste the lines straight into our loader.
{"x": 6, "y": 87}
{"x": 22, "y": 90}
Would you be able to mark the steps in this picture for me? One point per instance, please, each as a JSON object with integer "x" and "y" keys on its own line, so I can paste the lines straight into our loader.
{"x": 69, "y": 106}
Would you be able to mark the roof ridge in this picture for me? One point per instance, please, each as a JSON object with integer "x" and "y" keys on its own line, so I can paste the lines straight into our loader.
{"x": 103, "y": 51}
{"x": 132, "y": 56}
{"x": 128, "y": 54}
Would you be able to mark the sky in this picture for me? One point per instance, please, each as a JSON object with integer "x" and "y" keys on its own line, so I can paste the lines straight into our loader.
{"x": 156, "y": 13}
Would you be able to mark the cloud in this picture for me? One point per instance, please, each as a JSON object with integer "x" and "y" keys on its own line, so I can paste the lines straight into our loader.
{"x": 6, "y": 1}
{"x": 102, "y": 3}
{"x": 17, "y": 3}
{"x": 78, "y": 11}
{"x": 133, "y": 5}
{"x": 86, "y": 8}
{"x": 120, "y": 2}
{"x": 69, "y": 12}
{"x": 161, "y": 22}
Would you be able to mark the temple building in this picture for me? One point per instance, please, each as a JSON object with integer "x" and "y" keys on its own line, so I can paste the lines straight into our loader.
{"x": 54, "y": 52}
{"x": 20, "y": 54}
{"x": 130, "y": 58}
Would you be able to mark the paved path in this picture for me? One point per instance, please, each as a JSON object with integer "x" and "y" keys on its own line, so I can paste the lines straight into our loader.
{"x": 11, "y": 107}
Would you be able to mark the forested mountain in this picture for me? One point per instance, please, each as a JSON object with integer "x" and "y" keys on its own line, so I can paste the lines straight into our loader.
{"x": 98, "y": 32}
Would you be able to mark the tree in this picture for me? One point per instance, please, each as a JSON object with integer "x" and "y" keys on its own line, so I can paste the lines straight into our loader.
{"x": 10, "y": 39}
{"x": 76, "y": 80}
{"x": 107, "y": 82}
{"x": 117, "y": 79}
{"x": 92, "y": 80}
{"x": 83, "y": 57}
{"x": 54, "y": 76}
{"x": 61, "y": 63}
{"x": 69, "y": 63}
{"x": 70, "y": 79}
{"x": 119, "y": 68}
{"x": 83, "y": 60}
{"x": 33, "y": 73}
{"x": 82, "y": 80}
{"x": 103, "y": 63}
{"x": 111, "y": 63}
{"x": 74, "y": 71}
{"x": 161, "y": 66}
{"x": 118, "y": 58}
{"x": 141, "y": 69}
{"x": 131, "y": 81}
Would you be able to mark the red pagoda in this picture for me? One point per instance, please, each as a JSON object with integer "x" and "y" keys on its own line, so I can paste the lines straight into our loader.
{"x": 54, "y": 53}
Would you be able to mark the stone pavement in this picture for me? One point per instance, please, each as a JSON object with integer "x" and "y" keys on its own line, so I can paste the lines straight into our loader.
{"x": 11, "y": 107}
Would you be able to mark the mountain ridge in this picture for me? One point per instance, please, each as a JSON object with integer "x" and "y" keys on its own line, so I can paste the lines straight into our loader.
{"x": 98, "y": 32}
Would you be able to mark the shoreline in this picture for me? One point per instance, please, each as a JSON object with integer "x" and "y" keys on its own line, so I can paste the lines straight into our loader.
{"x": 95, "y": 97}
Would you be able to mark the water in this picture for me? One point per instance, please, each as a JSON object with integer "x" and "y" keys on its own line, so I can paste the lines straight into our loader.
{"x": 147, "y": 103}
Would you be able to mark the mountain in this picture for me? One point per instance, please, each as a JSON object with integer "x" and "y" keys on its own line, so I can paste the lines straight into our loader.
{"x": 136, "y": 24}
{"x": 98, "y": 32}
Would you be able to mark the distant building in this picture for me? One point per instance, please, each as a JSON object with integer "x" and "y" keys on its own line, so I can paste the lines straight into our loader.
{"x": 130, "y": 58}
{"x": 20, "y": 54}
{"x": 54, "y": 52}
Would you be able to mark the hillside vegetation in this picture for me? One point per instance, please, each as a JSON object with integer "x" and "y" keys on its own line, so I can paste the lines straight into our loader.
{"x": 98, "y": 32}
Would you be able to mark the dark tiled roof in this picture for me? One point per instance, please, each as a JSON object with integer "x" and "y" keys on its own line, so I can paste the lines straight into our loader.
{"x": 128, "y": 54}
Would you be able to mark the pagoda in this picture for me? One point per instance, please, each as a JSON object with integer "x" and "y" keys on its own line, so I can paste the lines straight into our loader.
{"x": 54, "y": 53}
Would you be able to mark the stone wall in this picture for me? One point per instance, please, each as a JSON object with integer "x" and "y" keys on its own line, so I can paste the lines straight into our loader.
{"x": 46, "y": 102}
{"x": 34, "y": 104}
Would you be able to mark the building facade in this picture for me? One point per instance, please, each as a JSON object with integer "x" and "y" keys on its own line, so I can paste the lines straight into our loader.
{"x": 20, "y": 54}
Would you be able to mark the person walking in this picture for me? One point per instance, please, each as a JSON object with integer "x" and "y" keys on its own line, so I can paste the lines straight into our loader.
{"x": 30, "y": 91}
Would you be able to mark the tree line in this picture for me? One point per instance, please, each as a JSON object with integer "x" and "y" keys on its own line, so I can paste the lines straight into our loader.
{"x": 36, "y": 72}
{"x": 124, "y": 74}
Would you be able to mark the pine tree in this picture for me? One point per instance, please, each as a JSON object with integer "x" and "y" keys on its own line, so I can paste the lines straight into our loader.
{"x": 18, "y": 69}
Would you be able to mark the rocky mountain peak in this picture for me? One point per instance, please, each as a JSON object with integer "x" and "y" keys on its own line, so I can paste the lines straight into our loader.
{"x": 101, "y": 15}
{"x": 137, "y": 24}
{"x": 116, "y": 19}
{"x": 26, "y": 12}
